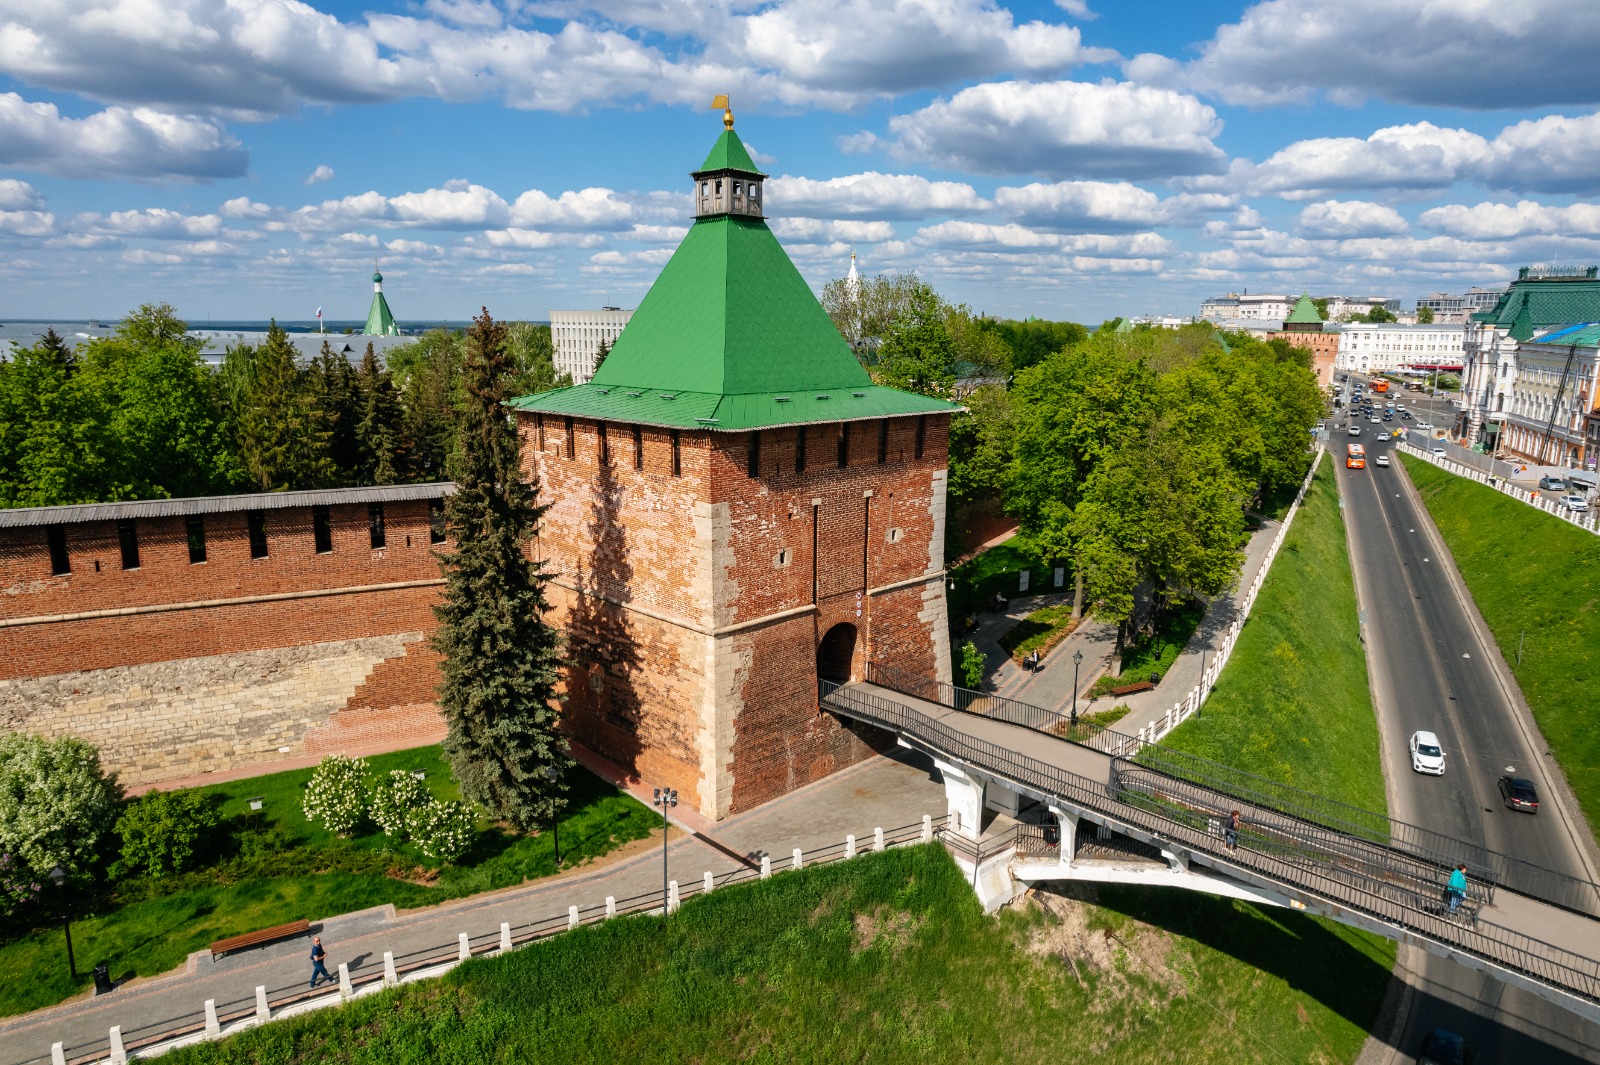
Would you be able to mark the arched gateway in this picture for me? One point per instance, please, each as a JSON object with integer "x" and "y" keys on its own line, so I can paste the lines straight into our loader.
{"x": 836, "y": 653}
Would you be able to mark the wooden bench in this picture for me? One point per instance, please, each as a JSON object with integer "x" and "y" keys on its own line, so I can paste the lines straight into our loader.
{"x": 255, "y": 939}
{"x": 1130, "y": 689}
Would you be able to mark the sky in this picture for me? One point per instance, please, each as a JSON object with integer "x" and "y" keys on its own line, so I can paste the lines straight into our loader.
{"x": 1082, "y": 159}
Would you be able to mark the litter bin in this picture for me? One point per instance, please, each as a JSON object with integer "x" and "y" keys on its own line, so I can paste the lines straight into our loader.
{"x": 102, "y": 978}
{"x": 1155, "y": 678}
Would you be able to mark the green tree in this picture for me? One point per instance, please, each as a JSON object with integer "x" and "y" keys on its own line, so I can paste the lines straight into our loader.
{"x": 1380, "y": 315}
{"x": 500, "y": 659}
{"x": 56, "y": 803}
{"x": 972, "y": 664}
{"x": 918, "y": 354}
{"x": 981, "y": 444}
{"x": 533, "y": 354}
{"x": 282, "y": 440}
{"x": 1034, "y": 340}
{"x": 1321, "y": 304}
{"x": 1424, "y": 315}
{"x": 164, "y": 832}
{"x": 380, "y": 424}
{"x": 55, "y": 443}
{"x": 335, "y": 404}
{"x": 865, "y": 313}
{"x": 428, "y": 374}
{"x": 601, "y": 352}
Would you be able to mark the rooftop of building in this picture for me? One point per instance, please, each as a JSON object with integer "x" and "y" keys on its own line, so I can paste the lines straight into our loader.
{"x": 1545, "y": 296}
{"x": 1581, "y": 334}
{"x": 730, "y": 337}
{"x": 28, "y": 517}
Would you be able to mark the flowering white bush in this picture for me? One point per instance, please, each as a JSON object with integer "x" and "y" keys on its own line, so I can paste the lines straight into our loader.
{"x": 444, "y": 830}
{"x": 337, "y": 796}
{"x": 397, "y": 799}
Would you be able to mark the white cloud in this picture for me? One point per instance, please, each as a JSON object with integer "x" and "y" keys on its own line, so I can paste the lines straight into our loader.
{"x": 146, "y": 257}
{"x": 19, "y": 196}
{"x": 321, "y": 173}
{"x": 152, "y": 222}
{"x": 244, "y": 207}
{"x": 1013, "y": 237}
{"x": 1081, "y": 206}
{"x": 1064, "y": 129}
{"x": 415, "y": 249}
{"x": 533, "y": 239}
{"x": 815, "y": 230}
{"x": 1350, "y": 218}
{"x": 27, "y": 223}
{"x": 1500, "y": 221}
{"x": 870, "y": 195}
{"x": 585, "y": 209}
{"x": 115, "y": 143}
{"x": 1077, "y": 9}
{"x": 1455, "y": 53}
{"x": 1552, "y": 154}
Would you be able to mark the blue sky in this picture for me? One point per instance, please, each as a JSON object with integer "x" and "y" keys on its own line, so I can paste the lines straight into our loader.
{"x": 1078, "y": 159}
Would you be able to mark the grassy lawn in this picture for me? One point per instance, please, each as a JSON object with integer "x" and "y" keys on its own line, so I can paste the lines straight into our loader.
{"x": 883, "y": 959}
{"x": 146, "y": 927}
{"x": 1530, "y": 572}
{"x": 1039, "y": 631}
{"x": 1156, "y": 652}
{"x": 1293, "y": 704}
{"x": 998, "y": 570}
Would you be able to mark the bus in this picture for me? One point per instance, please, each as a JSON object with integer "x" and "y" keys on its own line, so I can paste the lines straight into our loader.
{"x": 1355, "y": 458}
{"x": 1380, "y": 386}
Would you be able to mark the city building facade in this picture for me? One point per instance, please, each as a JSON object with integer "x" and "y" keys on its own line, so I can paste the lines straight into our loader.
{"x": 1269, "y": 307}
{"x": 736, "y": 512}
{"x": 1454, "y": 309}
{"x": 1550, "y": 418}
{"x": 1364, "y": 348}
{"x": 1346, "y": 306}
{"x": 577, "y": 335}
{"x": 1541, "y": 298}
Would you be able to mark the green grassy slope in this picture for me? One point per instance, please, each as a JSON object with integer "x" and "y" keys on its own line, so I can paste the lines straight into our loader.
{"x": 1292, "y": 704}
{"x": 1530, "y": 572}
{"x": 883, "y": 959}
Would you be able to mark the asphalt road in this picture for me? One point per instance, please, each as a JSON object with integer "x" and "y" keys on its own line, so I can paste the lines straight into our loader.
{"x": 1430, "y": 670}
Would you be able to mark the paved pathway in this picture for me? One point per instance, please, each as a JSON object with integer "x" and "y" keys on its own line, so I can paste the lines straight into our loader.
{"x": 884, "y": 792}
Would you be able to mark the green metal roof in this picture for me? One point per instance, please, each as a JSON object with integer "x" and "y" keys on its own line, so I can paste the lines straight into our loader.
{"x": 1304, "y": 313}
{"x": 708, "y": 410}
{"x": 1546, "y": 301}
{"x": 380, "y": 323}
{"x": 1583, "y": 334}
{"x": 729, "y": 154}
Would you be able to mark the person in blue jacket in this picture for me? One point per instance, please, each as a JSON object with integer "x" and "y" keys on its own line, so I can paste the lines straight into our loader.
{"x": 1456, "y": 889}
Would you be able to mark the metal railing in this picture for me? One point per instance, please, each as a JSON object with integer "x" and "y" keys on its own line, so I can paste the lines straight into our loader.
{"x": 1513, "y": 874}
{"x": 1333, "y": 877}
{"x": 484, "y": 944}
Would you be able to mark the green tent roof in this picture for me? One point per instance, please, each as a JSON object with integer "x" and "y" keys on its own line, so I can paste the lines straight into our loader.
{"x": 380, "y": 322}
{"x": 729, "y": 154}
{"x": 730, "y": 336}
{"x": 1304, "y": 313}
{"x": 1546, "y": 301}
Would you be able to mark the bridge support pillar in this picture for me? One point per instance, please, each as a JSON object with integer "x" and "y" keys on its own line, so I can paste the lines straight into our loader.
{"x": 1068, "y": 820}
{"x": 963, "y": 793}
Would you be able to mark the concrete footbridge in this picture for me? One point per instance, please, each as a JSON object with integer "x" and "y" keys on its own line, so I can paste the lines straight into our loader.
{"x": 1084, "y": 802}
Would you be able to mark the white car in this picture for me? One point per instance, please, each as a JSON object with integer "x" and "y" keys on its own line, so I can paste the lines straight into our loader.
{"x": 1439, "y": 451}
{"x": 1424, "y": 425}
{"x": 1426, "y": 754}
{"x": 1575, "y": 503}
{"x": 1381, "y": 460}
{"x": 1355, "y": 430}
{"x": 1375, "y": 420}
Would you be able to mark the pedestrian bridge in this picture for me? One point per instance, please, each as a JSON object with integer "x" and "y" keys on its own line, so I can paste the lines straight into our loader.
{"x": 1100, "y": 805}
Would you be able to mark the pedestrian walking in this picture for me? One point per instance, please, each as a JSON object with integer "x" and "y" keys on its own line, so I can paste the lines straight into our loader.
{"x": 318, "y": 957}
{"x": 1230, "y": 835}
{"x": 1455, "y": 892}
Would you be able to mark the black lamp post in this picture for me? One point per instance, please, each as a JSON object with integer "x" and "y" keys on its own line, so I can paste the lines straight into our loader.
{"x": 59, "y": 875}
{"x": 552, "y": 776}
{"x": 665, "y": 797}
{"x": 1077, "y": 660}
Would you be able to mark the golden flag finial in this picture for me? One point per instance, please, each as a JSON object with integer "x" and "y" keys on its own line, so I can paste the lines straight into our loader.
{"x": 721, "y": 100}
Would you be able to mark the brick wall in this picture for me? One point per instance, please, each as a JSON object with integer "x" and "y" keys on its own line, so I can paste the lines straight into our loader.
{"x": 696, "y": 603}
{"x": 175, "y": 667}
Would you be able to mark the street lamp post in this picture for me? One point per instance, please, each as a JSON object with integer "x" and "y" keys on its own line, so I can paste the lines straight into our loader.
{"x": 552, "y": 776}
{"x": 1077, "y": 660}
{"x": 59, "y": 875}
{"x": 665, "y": 797}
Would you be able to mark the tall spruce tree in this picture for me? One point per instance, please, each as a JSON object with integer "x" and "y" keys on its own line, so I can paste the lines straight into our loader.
{"x": 379, "y": 424}
{"x": 500, "y": 659}
{"x": 282, "y": 441}
{"x": 333, "y": 396}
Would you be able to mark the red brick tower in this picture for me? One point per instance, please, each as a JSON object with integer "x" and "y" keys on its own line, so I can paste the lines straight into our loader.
{"x": 735, "y": 509}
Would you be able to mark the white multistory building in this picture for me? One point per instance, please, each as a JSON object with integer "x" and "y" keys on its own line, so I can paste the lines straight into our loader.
{"x": 1455, "y": 308}
{"x": 1551, "y": 397}
{"x": 1340, "y": 306}
{"x": 1244, "y": 305}
{"x": 577, "y": 335}
{"x": 1385, "y": 348}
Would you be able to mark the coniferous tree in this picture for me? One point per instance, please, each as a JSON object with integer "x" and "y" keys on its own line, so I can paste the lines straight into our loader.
{"x": 282, "y": 443}
{"x": 600, "y": 354}
{"x": 333, "y": 397}
{"x": 379, "y": 424}
{"x": 500, "y": 658}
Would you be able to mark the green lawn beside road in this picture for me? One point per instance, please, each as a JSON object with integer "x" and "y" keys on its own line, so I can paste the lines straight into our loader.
{"x": 884, "y": 959}
{"x": 1293, "y": 704}
{"x": 282, "y": 868}
{"x": 1536, "y": 580}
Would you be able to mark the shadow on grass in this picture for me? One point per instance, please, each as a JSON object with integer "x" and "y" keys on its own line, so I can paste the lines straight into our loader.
{"x": 1345, "y": 969}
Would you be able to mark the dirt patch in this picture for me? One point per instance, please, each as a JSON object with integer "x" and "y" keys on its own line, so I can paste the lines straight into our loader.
{"x": 890, "y": 929}
{"x": 1138, "y": 958}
